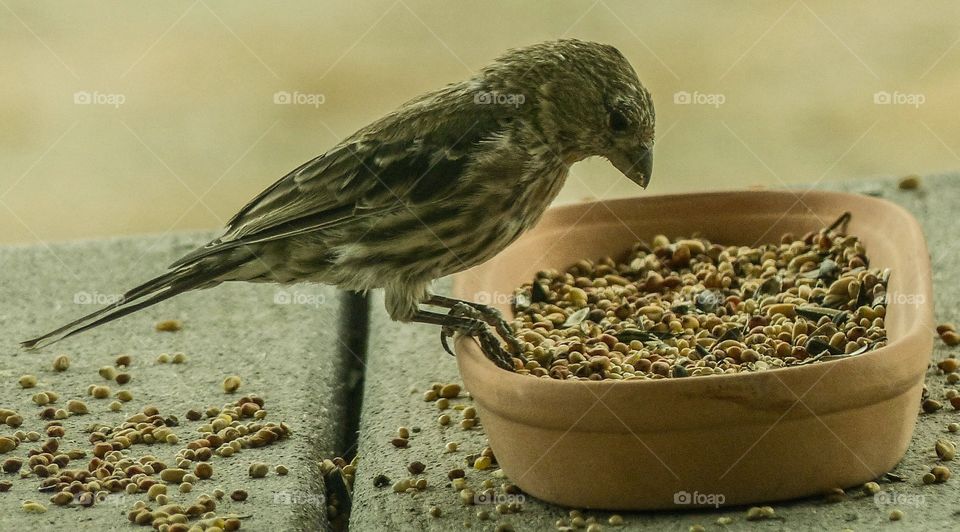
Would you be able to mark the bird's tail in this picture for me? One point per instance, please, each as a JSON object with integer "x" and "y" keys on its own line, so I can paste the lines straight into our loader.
{"x": 187, "y": 277}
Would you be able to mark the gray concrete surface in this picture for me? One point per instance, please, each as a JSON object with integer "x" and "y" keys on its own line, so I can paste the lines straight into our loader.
{"x": 403, "y": 360}
{"x": 284, "y": 345}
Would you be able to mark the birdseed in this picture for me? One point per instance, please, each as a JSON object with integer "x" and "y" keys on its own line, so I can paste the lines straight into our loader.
{"x": 689, "y": 308}
{"x": 61, "y": 363}
{"x": 231, "y": 384}
{"x": 27, "y": 381}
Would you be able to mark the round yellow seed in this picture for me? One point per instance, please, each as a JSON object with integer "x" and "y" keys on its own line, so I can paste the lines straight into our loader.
{"x": 27, "y": 381}
{"x": 61, "y": 363}
{"x": 231, "y": 384}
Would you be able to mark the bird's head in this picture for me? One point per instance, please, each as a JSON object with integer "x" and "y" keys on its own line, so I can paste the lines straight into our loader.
{"x": 587, "y": 101}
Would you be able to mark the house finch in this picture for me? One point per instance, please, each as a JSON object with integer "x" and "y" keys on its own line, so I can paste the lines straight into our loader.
{"x": 441, "y": 184}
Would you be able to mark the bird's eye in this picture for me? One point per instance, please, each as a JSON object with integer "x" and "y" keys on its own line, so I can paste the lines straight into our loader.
{"x": 618, "y": 121}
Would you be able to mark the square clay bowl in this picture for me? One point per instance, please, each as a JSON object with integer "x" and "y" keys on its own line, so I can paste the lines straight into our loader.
{"x": 721, "y": 439}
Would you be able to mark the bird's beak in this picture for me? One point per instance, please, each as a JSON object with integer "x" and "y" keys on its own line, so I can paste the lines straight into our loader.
{"x": 637, "y": 167}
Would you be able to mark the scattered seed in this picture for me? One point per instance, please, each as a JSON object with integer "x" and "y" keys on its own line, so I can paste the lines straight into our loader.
{"x": 61, "y": 363}
{"x": 41, "y": 398}
{"x": 443, "y": 420}
{"x": 115, "y": 406}
{"x": 896, "y": 514}
{"x": 258, "y": 470}
{"x": 12, "y": 465}
{"x": 953, "y": 427}
{"x": 7, "y": 444}
{"x": 724, "y": 520}
{"x": 100, "y": 392}
{"x": 450, "y": 391}
{"x": 173, "y": 475}
{"x": 940, "y": 473}
{"x": 179, "y": 358}
{"x": 400, "y": 443}
{"x": 123, "y": 378}
{"x": 123, "y": 361}
{"x": 14, "y": 420}
{"x": 403, "y": 432}
{"x": 163, "y": 358}
{"x": 156, "y": 490}
{"x": 238, "y": 495}
{"x": 125, "y": 395}
{"x": 871, "y": 488}
{"x": 75, "y": 406}
{"x": 951, "y": 338}
{"x": 482, "y": 463}
{"x": 945, "y": 449}
{"x": 107, "y": 372}
{"x": 27, "y": 381}
{"x": 451, "y": 447}
{"x": 415, "y": 468}
{"x": 757, "y": 513}
{"x": 615, "y": 520}
{"x": 231, "y": 384}
{"x": 168, "y": 326}
{"x": 33, "y": 507}
{"x": 435, "y": 511}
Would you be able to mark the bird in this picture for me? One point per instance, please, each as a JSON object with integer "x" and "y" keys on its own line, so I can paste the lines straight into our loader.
{"x": 441, "y": 184}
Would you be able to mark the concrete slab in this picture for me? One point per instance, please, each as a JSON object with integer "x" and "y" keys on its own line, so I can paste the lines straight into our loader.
{"x": 403, "y": 360}
{"x": 284, "y": 344}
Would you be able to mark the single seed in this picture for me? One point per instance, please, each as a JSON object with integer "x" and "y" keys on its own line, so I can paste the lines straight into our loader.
{"x": 443, "y": 403}
{"x": 100, "y": 392}
{"x": 469, "y": 412}
{"x": 27, "y": 381}
{"x": 724, "y": 520}
{"x": 173, "y": 475}
{"x": 125, "y": 395}
{"x": 107, "y": 372}
{"x": 41, "y": 399}
{"x": 186, "y": 487}
{"x": 62, "y": 498}
{"x": 75, "y": 406}
{"x": 401, "y": 485}
{"x": 168, "y": 326}
{"x": 238, "y": 495}
{"x": 929, "y": 478}
{"x": 435, "y": 511}
{"x": 896, "y": 514}
{"x": 61, "y": 363}
{"x": 416, "y": 467}
{"x": 945, "y": 449}
{"x": 403, "y": 432}
{"x": 179, "y": 358}
{"x": 14, "y": 421}
{"x": 281, "y": 469}
{"x": 116, "y": 406}
{"x": 931, "y": 405}
{"x": 482, "y": 463}
{"x": 123, "y": 361}
{"x": 258, "y": 470}
{"x": 7, "y": 444}
{"x": 231, "y": 384}
{"x": 871, "y": 488}
{"x": 400, "y": 443}
{"x": 949, "y": 365}
{"x": 450, "y": 391}
{"x": 123, "y": 378}
{"x": 203, "y": 470}
{"x": 953, "y": 427}
{"x": 443, "y": 420}
{"x": 951, "y": 338}
{"x": 33, "y": 507}
{"x": 451, "y": 447}
{"x": 163, "y": 358}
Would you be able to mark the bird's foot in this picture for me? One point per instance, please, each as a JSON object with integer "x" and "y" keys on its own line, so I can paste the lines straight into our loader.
{"x": 490, "y": 315}
{"x": 478, "y": 329}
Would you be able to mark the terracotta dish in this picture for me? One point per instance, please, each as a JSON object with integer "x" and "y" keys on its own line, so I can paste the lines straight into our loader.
{"x": 722, "y": 439}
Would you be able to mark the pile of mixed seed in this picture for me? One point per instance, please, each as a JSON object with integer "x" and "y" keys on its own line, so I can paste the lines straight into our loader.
{"x": 690, "y": 307}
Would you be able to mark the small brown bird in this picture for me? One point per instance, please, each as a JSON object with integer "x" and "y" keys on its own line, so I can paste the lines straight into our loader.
{"x": 441, "y": 184}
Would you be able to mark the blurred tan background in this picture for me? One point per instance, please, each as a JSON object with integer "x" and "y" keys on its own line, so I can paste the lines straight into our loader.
{"x": 135, "y": 116}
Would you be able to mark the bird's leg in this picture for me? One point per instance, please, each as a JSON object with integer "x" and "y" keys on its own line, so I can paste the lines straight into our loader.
{"x": 488, "y": 314}
{"x": 470, "y": 326}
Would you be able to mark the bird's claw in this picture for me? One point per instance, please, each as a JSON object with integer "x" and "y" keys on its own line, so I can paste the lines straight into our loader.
{"x": 488, "y": 341}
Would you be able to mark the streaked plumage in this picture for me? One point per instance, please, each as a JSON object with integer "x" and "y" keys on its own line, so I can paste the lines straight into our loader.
{"x": 440, "y": 185}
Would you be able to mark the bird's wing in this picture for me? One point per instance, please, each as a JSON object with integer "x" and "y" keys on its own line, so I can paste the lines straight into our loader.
{"x": 412, "y": 156}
